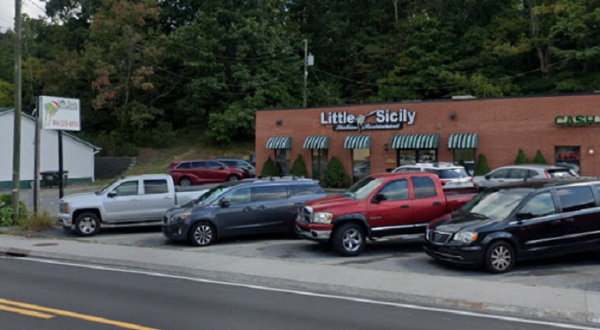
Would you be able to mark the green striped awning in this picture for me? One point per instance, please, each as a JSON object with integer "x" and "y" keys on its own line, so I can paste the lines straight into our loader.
{"x": 415, "y": 141}
{"x": 357, "y": 142}
{"x": 282, "y": 142}
{"x": 317, "y": 142}
{"x": 463, "y": 141}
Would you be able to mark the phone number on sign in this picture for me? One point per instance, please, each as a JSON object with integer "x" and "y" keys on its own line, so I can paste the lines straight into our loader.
{"x": 65, "y": 123}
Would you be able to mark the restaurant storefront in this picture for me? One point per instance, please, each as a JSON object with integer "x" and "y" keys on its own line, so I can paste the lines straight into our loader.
{"x": 376, "y": 138}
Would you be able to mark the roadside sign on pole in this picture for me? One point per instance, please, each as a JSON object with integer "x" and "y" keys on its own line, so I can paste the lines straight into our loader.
{"x": 59, "y": 113}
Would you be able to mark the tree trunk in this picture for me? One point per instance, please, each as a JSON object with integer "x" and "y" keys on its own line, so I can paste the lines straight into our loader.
{"x": 542, "y": 51}
{"x": 395, "y": 2}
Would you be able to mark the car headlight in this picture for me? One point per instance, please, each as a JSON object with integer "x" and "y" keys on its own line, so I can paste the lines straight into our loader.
{"x": 180, "y": 217}
{"x": 64, "y": 208}
{"x": 323, "y": 217}
{"x": 466, "y": 237}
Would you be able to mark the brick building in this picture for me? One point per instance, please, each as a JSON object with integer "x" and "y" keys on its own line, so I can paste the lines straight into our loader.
{"x": 373, "y": 138}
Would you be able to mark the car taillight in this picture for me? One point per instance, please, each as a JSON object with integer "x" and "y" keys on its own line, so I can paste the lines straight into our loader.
{"x": 470, "y": 179}
{"x": 548, "y": 175}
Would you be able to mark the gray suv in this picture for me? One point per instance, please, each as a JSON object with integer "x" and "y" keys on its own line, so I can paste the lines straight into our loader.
{"x": 240, "y": 208}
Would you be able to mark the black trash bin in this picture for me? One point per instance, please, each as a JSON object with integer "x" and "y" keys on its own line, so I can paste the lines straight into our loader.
{"x": 50, "y": 179}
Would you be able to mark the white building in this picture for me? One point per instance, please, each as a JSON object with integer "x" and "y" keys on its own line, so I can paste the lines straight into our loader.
{"x": 78, "y": 155}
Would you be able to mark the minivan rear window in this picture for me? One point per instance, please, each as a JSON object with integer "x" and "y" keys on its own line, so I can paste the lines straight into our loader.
{"x": 576, "y": 198}
{"x": 306, "y": 189}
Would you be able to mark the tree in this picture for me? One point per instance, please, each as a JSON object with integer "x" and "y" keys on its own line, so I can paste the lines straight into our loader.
{"x": 521, "y": 158}
{"x": 335, "y": 175}
{"x": 270, "y": 168}
{"x": 539, "y": 158}
{"x": 7, "y": 92}
{"x": 482, "y": 167}
{"x": 299, "y": 167}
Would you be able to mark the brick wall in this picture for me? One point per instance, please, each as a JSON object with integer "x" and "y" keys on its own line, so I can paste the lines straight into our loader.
{"x": 504, "y": 125}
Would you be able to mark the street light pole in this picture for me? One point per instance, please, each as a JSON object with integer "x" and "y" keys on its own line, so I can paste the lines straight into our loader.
{"x": 17, "y": 122}
{"x": 305, "y": 95}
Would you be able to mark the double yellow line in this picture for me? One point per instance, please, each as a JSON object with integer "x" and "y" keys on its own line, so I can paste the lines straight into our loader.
{"x": 48, "y": 313}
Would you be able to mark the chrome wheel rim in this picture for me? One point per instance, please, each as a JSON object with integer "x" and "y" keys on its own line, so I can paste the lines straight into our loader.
{"x": 351, "y": 240}
{"x": 184, "y": 183}
{"x": 203, "y": 234}
{"x": 501, "y": 258}
{"x": 233, "y": 178}
{"x": 87, "y": 225}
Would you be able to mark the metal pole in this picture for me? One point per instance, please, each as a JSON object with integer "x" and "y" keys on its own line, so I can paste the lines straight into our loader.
{"x": 17, "y": 122}
{"x": 36, "y": 167}
{"x": 61, "y": 192}
{"x": 305, "y": 70}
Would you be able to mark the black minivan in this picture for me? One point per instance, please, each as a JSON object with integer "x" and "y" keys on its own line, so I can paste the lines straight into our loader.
{"x": 519, "y": 221}
{"x": 240, "y": 208}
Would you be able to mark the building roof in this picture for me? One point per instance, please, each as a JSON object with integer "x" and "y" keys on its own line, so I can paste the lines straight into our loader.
{"x": 4, "y": 111}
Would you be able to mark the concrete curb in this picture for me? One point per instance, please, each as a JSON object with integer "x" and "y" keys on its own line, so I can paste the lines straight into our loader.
{"x": 379, "y": 282}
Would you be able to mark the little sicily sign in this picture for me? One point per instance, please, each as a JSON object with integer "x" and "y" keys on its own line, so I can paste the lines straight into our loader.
{"x": 59, "y": 113}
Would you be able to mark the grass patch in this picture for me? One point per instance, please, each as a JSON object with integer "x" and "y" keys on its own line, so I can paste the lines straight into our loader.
{"x": 38, "y": 222}
{"x": 189, "y": 146}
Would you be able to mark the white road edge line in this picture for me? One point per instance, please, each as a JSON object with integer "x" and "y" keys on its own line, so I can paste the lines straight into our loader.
{"x": 313, "y": 294}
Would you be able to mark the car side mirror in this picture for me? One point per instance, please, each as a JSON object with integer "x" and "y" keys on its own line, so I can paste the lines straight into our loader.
{"x": 379, "y": 198}
{"x": 525, "y": 216}
{"x": 112, "y": 194}
{"x": 487, "y": 177}
{"x": 224, "y": 202}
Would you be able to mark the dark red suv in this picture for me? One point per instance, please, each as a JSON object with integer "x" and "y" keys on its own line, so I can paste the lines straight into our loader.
{"x": 194, "y": 172}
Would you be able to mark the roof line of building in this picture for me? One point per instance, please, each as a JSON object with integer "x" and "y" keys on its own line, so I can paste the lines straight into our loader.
{"x": 10, "y": 110}
{"x": 439, "y": 101}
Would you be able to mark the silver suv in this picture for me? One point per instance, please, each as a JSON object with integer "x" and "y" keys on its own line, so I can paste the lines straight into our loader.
{"x": 451, "y": 176}
{"x": 521, "y": 173}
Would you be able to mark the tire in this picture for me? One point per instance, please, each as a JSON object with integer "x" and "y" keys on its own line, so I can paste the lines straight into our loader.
{"x": 500, "y": 257}
{"x": 202, "y": 234}
{"x": 349, "y": 240}
{"x": 185, "y": 182}
{"x": 233, "y": 178}
{"x": 87, "y": 224}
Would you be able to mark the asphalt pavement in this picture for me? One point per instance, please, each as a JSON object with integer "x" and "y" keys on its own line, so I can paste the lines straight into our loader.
{"x": 50, "y": 296}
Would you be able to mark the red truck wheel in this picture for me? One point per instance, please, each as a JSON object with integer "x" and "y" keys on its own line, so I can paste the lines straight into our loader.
{"x": 349, "y": 239}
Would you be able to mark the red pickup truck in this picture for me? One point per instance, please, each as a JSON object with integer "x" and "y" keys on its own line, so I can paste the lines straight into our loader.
{"x": 377, "y": 206}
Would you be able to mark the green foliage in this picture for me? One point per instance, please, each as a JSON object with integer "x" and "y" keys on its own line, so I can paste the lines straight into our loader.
{"x": 162, "y": 136}
{"x": 7, "y": 92}
{"x": 299, "y": 167}
{"x": 37, "y": 222}
{"x": 482, "y": 167}
{"x": 539, "y": 158}
{"x": 521, "y": 158}
{"x": 7, "y": 212}
{"x": 335, "y": 175}
{"x": 270, "y": 168}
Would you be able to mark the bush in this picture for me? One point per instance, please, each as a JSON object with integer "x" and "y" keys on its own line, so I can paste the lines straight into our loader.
{"x": 539, "y": 158}
{"x": 335, "y": 175}
{"x": 482, "y": 167}
{"x": 299, "y": 167}
{"x": 37, "y": 222}
{"x": 521, "y": 158}
{"x": 270, "y": 168}
{"x": 7, "y": 212}
{"x": 162, "y": 136}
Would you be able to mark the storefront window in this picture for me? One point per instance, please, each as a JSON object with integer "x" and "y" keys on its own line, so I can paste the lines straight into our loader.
{"x": 319, "y": 162}
{"x": 361, "y": 163}
{"x": 283, "y": 157}
{"x": 411, "y": 156}
{"x": 568, "y": 157}
{"x": 465, "y": 155}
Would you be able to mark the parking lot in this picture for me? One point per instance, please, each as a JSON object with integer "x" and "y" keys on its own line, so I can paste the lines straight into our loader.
{"x": 399, "y": 255}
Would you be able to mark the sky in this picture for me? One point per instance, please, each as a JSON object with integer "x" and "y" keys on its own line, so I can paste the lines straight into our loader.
{"x": 7, "y": 11}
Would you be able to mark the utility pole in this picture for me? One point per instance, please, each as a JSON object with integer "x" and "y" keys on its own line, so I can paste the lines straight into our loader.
{"x": 308, "y": 61}
{"x": 17, "y": 122}
{"x": 305, "y": 71}
{"x": 36, "y": 167}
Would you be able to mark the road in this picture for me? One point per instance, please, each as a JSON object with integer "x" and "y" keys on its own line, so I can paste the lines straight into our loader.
{"x": 36, "y": 295}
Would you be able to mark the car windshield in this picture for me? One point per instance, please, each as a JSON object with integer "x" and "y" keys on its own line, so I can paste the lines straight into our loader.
{"x": 105, "y": 189}
{"x": 212, "y": 194}
{"x": 495, "y": 203}
{"x": 454, "y": 173}
{"x": 363, "y": 188}
{"x": 562, "y": 173}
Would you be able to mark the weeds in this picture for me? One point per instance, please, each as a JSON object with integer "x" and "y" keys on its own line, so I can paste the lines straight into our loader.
{"x": 38, "y": 222}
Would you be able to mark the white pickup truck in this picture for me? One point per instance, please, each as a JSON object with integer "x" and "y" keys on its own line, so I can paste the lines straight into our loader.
{"x": 130, "y": 202}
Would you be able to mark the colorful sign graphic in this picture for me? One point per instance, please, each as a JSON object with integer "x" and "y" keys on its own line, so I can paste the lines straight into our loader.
{"x": 60, "y": 113}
